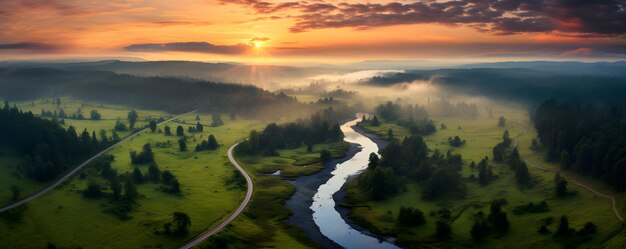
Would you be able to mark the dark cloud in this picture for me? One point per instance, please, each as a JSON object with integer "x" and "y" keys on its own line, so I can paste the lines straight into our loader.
{"x": 10, "y": 9}
{"x": 198, "y": 47}
{"x": 27, "y": 46}
{"x": 582, "y": 17}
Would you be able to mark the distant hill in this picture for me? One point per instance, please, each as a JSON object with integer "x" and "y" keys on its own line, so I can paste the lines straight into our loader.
{"x": 163, "y": 93}
{"x": 261, "y": 75}
{"x": 617, "y": 69}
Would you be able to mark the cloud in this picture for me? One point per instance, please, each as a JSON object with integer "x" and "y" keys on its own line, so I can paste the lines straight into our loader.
{"x": 589, "y": 53}
{"x": 197, "y": 47}
{"x": 27, "y": 46}
{"x": 261, "y": 39}
{"x": 582, "y": 17}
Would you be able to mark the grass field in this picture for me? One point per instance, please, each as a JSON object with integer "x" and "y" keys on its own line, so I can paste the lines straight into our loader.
{"x": 68, "y": 220}
{"x": 262, "y": 225}
{"x": 481, "y": 135}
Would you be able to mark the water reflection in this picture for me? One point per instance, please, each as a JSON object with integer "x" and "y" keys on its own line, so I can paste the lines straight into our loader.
{"x": 324, "y": 214}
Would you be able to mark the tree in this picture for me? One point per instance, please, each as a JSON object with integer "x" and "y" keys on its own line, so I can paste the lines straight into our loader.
{"x": 199, "y": 127}
{"x": 153, "y": 125}
{"x": 212, "y": 143}
{"x": 534, "y": 145}
{"x": 146, "y": 155}
{"x": 180, "y": 131}
{"x": 93, "y": 190}
{"x": 167, "y": 130}
{"x": 374, "y": 161}
{"x": 521, "y": 173}
{"x": 137, "y": 176}
{"x": 390, "y": 134}
{"x": 480, "y": 229}
{"x": 182, "y": 144}
{"x": 563, "y": 229}
{"x": 130, "y": 191}
{"x": 484, "y": 172}
{"x": 410, "y": 217}
{"x": 560, "y": 185}
{"x": 132, "y": 118}
{"x": 498, "y": 218}
{"x": 309, "y": 148}
{"x": 375, "y": 121}
{"x": 167, "y": 176}
{"x": 154, "y": 173}
{"x": 216, "y": 120}
{"x": 95, "y": 115}
{"x": 325, "y": 155}
{"x": 501, "y": 121}
{"x": 443, "y": 230}
{"x": 456, "y": 141}
{"x": 182, "y": 222}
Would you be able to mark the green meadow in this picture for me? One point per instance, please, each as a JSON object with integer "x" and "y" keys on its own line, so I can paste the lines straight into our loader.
{"x": 481, "y": 134}
{"x": 68, "y": 220}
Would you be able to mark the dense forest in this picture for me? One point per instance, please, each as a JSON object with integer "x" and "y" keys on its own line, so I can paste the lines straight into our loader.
{"x": 162, "y": 93}
{"x": 320, "y": 127}
{"x": 409, "y": 160}
{"x": 586, "y": 138}
{"x": 524, "y": 85}
{"x": 47, "y": 148}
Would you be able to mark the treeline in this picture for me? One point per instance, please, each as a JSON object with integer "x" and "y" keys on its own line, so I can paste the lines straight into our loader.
{"x": 518, "y": 84}
{"x": 163, "y": 93}
{"x": 47, "y": 148}
{"x": 320, "y": 127}
{"x": 442, "y": 107}
{"x": 585, "y": 138}
{"x": 413, "y": 117}
{"x": 408, "y": 160}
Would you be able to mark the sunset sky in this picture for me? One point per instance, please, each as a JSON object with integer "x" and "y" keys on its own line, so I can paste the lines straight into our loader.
{"x": 264, "y": 31}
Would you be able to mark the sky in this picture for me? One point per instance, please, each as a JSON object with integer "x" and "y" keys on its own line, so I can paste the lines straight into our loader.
{"x": 323, "y": 31}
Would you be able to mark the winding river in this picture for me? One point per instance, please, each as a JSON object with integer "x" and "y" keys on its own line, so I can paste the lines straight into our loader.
{"x": 325, "y": 216}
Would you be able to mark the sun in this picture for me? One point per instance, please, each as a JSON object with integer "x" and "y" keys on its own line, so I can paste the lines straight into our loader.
{"x": 258, "y": 44}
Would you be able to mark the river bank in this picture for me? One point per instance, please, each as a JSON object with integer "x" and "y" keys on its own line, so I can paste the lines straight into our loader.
{"x": 300, "y": 202}
{"x": 340, "y": 196}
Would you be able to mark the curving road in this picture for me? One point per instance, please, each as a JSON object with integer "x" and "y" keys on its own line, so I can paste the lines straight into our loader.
{"x": 75, "y": 170}
{"x": 237, "y": 212}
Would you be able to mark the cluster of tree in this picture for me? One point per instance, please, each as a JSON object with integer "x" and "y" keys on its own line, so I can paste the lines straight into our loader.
{"x": 560, "y": 185}
{"x": 497, "y": 222}
{"x": 61, "y": 114}
{"x": 456, "y": 141}
{"x": 410, "y": 217}
{"x": 216, "y": 120}
{"x": 209, "y": 144}
{"x": 293, "y": 135}
{"x": 502, "y": 152}
{"x": 531, "y": 207}
{"x": 587, "y": 139}
{"x": 485, "y": 173}
{"x": 122, "y": 186}
{"x": 162, "y": 93}
{"x": 47, "y": 148}
{"x": 146, "y": 155}
{"x": 413, "y": 117}
{"x": 442, "y": 107}
{"x": 409, "y": 160}
{"x": 182, "y": 222}
{"x": 570, "y": 237}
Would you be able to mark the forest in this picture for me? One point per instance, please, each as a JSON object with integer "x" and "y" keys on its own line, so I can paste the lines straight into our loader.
{"x": 589, "y": 139}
